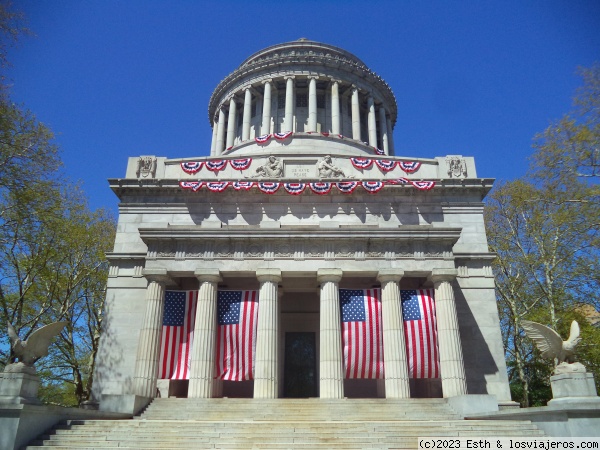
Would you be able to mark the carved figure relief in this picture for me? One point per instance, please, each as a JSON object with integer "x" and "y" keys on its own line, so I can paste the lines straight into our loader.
{"x": 327, "y": 169}
{"x": 146, "y": 167}
{"x": 272, "y": 169}
{"x": 457, "y": 167}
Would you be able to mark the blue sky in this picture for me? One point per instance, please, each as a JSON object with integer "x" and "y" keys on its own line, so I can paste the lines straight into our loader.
{"x": 115, "y": 79}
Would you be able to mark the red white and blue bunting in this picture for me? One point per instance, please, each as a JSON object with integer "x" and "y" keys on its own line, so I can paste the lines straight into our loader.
{"x": 379, "y": 151}
{"x": 217, "y": 186}
{"x": 268, "y": 187}
{"x": 294, "y": 188}
{"x": 193, "y": 185}
{"x": 282, "y": 136}
{"x": 419, "y": 184}
{"x": 347, "y": 187}
{"x": 216, "y": 165}
{"x": 192, "y": 167}
{"x": 320, "y": 187}
{"x": 385, "y": 165}
{"x": 240, "y": 164}
{"x": 361, "y": 163}
{"x": 372, "y": 186}
{"x": 262, "y": 139}
{"x": 409, "y": 166}
{"x": 242, "y": 185}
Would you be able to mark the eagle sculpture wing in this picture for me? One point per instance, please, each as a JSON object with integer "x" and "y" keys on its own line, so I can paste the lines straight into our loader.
{"x": 574, "y": 331}
{"x": 548, "y": 341}
{"x": 39, "y": 341}
{"x": 14, "y": 340}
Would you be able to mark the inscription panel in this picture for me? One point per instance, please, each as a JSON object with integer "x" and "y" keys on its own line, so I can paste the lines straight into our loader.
{"x": 301, "y": 169}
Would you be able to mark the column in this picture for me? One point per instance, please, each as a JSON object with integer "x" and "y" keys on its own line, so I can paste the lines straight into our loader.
{"x": 266, "y": 118}
{"x": 220, "y": 133}
{"x": 331, "y": 364}
{"x": 202, "y": 362}
{"x": 312, "y": 104}
{"x": 394, "y": 345}
{"x": 390, "y": 137}
{"x": 371, "y": 122}
{"x": 231, "y": 128}
{"x": 247, "y": 114}
{"x": 355, "y": 114}
{"x": 383, "y": 131}
{"x": 146, "y": 364}
{"x": 213, "y": 142}
{"x": 451, "y": 359}
{"x": 288, "y": 122}
{"x": 267, "y": 336}
{"x": 335, "y": 107}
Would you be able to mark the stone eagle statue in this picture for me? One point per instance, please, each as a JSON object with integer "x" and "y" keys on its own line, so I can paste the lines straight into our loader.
{"x": 549, "y": 342}
{"x": 36, "y": 346}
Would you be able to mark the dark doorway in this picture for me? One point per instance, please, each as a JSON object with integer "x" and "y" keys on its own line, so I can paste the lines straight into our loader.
{"x": 300, "y": 369}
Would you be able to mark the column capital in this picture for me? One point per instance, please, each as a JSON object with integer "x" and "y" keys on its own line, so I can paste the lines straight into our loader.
{"x": 334, "y": 275}
{"x": 273, "y": 275}
{"x": 208, "y": 275}
{"x": 268, "y": 80}
{"x": 439, "y": 275}
{"x": 158, "y": 275}
{"x": 313, "y": 77}
{"x": 289, "y": 77}
{"x": 385, "y": 275}
{"x": 335, "y": 80}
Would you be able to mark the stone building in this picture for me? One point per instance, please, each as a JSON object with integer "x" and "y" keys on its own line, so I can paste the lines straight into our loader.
{"x": 303, "y": 194}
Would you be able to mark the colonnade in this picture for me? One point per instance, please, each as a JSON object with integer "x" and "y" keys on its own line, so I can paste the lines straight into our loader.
{"x": 225, "y": 126}
{"x": 202, "y": 381}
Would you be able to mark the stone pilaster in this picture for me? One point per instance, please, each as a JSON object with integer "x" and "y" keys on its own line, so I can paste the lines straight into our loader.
{"x": 451, "y": 358}
{"x": 371, "y": 121}
{"x": 383, "y": 133}
{"x": 355, "y": 114}
{"x": 312, "y": 104}
{"x": 146, "y": 364}
{"x": 267, "y": 335}
{"x": 231, "y": 128}
{"x": 247, "y": 117}
{"x": 288, "y": 122}
{"x": 335, "y": 107}
{"x": 220, "y": 133}
{"x": 331, "y": 363}
{"x": 390, "y": 131}
{"x": 213, "y": 141}
{"x": 266, "y": 117}
{"x": 394, "y": 346}
{"x": 202, "y": 364}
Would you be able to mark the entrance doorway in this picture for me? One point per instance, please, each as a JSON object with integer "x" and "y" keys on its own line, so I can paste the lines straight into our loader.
{"x": 300, "y": 368}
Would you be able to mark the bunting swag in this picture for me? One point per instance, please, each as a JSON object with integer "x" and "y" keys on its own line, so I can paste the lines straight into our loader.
{"x": 193, "y": 185}
{"x": 237, "y": 315}
{"x": 408, "y": 166}
{"x": 421, "y": 185}
{"x": 420, "y": 333}
{"x": 361, "y": 163}
{"x": 385, "y": 165}
{"x": 268, "y": 187}
{"x": 242, "y": 185}
{"x": 378, "y": 151}
{"x": 192, "y": 167}
{"x": 320, "y": 187}
{"x": 282, "y": 136}
{"x": 240, "y": 164}
{"x": 347, "y": 187}
{"x": 217, "y": 186}
{"x": 262, "y": 139}
{"x": 177, "y": 335}
{"x": 362, "y": 340}
{"x": 372, "y": 186}
{"x": 294, "y": 188}
{"x": 216, "y": 165}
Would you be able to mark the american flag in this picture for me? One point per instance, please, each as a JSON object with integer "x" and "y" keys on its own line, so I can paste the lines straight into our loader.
{"x": 236, "y": 335}
{"x": 420, "y": 332}
{"x": 361, "y": 332}
{"x": 177, "y": 335}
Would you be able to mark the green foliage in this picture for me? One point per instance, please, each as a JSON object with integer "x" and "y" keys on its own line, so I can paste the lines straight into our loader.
{"x": 545, "y": 229}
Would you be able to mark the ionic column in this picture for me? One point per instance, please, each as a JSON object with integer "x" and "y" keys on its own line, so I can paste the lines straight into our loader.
{"x": 312, "y": 103}
{"x": 231, "y": 122}
{"x": 202, "y": 363}
{"x": 247, "y": 114}
{"x": 331, "y": 364}
{"x": 451, "y": 358}
{"x": 371, "y": 122}
{"x": 394, "y": 345}
{"x": 146, "y": 364}
{"x": 220, "y": 133}
{"x": 288, "y": 122}
{"x": 355, "y": 114}
{"x": 390, "y": 130}
{"x": 335, "y": 107}
{"x": 265, "y": 368}
{"x": 266, "y": 118}
{"x": 383, "y": 130}
{"x": 213, "y": 142}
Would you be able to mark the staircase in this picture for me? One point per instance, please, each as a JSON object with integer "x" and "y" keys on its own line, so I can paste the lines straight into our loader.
{"x": 279, "y": 424}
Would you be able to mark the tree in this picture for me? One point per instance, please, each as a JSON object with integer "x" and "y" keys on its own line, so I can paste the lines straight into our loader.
{"x": 545, "y": 230}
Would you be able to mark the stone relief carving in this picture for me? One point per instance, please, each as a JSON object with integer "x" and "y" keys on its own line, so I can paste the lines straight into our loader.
{"x": 457, "y": 167}
{"x": 327, "y": 169}
{"x": 165, "y": 250}
{"x": 146, "y": 167}
{"x": 272, "y": 169}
